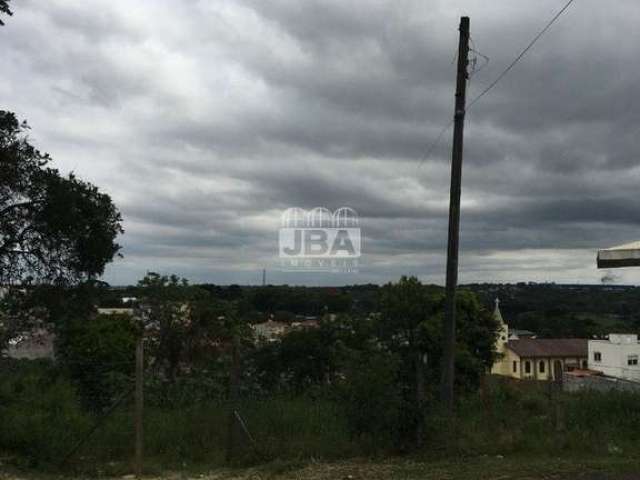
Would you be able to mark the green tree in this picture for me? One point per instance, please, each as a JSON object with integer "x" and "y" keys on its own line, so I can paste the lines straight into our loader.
{"x": 53, "y": 229}
{"x": 47, "y": 305}
{"x": 4, "y": 8}
{"x": 306, "y": 357}
{"x": 312, "y": 356}
{"x": 372, "y": 404}
{"x": 99, "y": 353}
{"x": 410, "y": 325}
{"x": 166, "y": 310}
{"x": 477, "y": 331}
{"x": 186, "y": 328}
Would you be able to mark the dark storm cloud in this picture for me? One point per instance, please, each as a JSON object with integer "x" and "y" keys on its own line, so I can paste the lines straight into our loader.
{"x": 206, "y": 120}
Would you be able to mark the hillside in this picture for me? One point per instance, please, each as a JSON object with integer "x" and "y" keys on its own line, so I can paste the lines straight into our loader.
{"x": 553, "y": 310}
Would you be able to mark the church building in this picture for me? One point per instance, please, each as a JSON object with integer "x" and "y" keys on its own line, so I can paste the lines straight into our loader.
{"x": 536, "y": 358}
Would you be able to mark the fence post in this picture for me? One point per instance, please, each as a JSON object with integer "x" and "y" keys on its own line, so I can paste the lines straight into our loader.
{"x": 139, "y": 401}
{"x": 234, "y": 380}
{"x": 559, "y": 407}
{"x": 420, "y": 388}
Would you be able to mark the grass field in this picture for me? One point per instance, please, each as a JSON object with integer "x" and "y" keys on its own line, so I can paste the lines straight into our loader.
{"x": 510, "y": 430}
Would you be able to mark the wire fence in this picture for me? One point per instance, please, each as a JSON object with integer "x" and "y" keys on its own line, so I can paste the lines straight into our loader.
{"x": 120, "y": 418}
{"x": 112, "y": 411}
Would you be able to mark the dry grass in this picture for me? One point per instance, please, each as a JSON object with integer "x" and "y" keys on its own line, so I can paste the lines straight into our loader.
{"x": 494, "y": 468}
{"x": 482, "y": 468}
{"x": 476, "y": 468}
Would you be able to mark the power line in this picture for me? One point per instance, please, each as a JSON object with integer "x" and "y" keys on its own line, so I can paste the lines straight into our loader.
{"x": 434, "y": 143}
{"x": 436, "y": 140}
{"x": 520, "y": 55}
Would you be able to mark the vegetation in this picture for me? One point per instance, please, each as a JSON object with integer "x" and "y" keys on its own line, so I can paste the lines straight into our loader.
{"x": 364, "y": 377}
{"x": 43, "y": 418}
{"x": 99, "y": 357}
{"x": 573, "y": 311}
{"x": 550, "y": 310}
{"x": 54, "y": 229}
{"x": 4, "y": 8}
{"x": 360, "y": 384}
{"x": 56, "y": 232}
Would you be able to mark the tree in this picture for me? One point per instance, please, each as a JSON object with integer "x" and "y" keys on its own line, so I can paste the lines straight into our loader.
{"x": 47, "y": 306}
{"x": 476, "y": 340}
{"x": 99, "y": 353}
{"x": 410, "y": 325}
{"x": 186, "y": 327}
{"x": 373, "y": 407}
{"x": 305, "y": 357}
{"x": 166, "y": 301}
{"x": 53, "y": 229}
{"x": 4, "y": 8}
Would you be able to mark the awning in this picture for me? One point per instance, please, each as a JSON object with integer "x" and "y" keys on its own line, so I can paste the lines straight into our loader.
{"x": 627, "y": 255}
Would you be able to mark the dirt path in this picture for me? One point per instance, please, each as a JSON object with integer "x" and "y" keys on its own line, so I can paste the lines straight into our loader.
{"x": 480, "y": 468}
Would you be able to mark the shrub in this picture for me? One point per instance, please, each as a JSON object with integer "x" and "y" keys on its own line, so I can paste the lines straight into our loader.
{"x": 99, "y": 355}
{"x": 371, "y": 401}
{"x": 40, "y": 414}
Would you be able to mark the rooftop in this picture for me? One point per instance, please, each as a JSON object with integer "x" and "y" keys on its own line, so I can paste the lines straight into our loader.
{"x": 627, "y": 255}
{"x": 549, "y": 347}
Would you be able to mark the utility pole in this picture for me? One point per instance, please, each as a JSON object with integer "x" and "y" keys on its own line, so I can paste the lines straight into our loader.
{"x": 449, "y": 326}
{"x": 139, "y": 406}
{"x": 264, "y": 277}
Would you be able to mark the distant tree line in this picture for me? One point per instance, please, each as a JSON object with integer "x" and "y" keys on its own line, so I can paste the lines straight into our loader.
{"x": 578, "y": 311}
{"x": 549, "y": 310}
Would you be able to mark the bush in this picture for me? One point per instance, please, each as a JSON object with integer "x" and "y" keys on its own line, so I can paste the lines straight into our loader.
{"x": 40, "y": 414}
{"x": 99, "y": 353}
{"x": 371, "y": 401}
{"x": 365, "y": 413}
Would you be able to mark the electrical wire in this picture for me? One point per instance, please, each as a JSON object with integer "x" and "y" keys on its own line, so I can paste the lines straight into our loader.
{"x": 436, "y": 140}
{"x": 434, "y": 143}
{"x": 520, "y": 55}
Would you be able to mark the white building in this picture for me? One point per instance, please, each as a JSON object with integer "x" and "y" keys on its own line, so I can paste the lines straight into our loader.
{"x": 617, "y": 356}
{"x": 269, "y": 331}
{"x": 116, "y": 311}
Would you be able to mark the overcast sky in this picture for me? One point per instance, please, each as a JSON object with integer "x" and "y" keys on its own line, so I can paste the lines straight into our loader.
{"x": 204, "y": 120}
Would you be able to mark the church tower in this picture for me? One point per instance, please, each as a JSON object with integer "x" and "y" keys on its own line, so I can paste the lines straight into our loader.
{"x": 501, "y": 340}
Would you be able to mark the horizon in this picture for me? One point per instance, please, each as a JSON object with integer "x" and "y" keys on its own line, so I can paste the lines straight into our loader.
{"x": 462, "y": 285}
